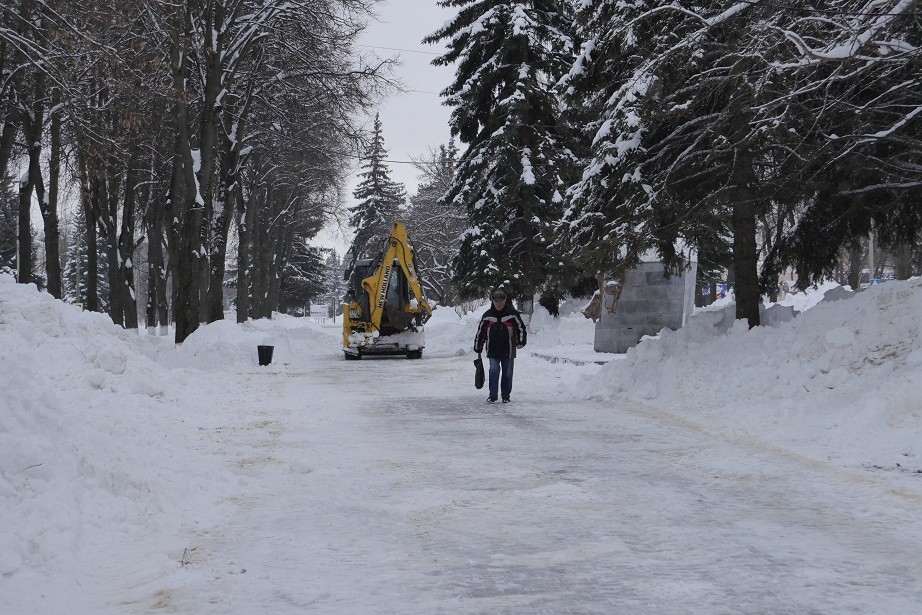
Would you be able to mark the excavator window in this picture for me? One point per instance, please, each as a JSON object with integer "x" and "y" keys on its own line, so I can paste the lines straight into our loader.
{"x": 363, "y": 268}
{"x": 398, "y": 291}
{"x": 398, "y": 295}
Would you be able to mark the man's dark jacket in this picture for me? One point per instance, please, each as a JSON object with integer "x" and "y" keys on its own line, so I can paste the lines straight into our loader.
{"x": 499, "y": 332}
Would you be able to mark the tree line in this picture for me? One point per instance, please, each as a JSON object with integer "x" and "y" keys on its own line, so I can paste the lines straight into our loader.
{"x": 746, "y": 131}
{"x": 435, "y": 225}
{"x": 177, "y": 121}
{"x": 760, "y": 136}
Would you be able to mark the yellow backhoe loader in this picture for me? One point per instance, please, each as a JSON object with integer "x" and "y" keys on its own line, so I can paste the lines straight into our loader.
{"x": 385, "y": 309}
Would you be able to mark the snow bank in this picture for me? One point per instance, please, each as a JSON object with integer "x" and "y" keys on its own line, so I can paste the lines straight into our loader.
{"x": 88, "y": 425}
{"x": 450, "y": 335}
{"x": 840, "y": 380}
{"x": 545, "y": 331}
{"x": 224, "y": 344}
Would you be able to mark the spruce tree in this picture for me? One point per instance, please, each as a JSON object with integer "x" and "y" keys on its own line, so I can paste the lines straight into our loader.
{"x": 8, "y": 213}
{"x": 437, "y": 225}
{"x": 707, "y": 157}
{"x": 511, "y": 178}
{"x": 678, "y": 153}
{"x": 379, "y": 199}
{"x": 302, "y": 281}
{"x": 851, "y": 107}
{"x": 333, "y": 280}
{"x": 602, "y": 229}
{"x": 599, "y": 233}
{"x": 75, "y": 266}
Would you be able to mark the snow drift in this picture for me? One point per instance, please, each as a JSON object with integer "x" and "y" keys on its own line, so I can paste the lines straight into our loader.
{"x": 89, "y": 426}
{"x": 841, "y": 380}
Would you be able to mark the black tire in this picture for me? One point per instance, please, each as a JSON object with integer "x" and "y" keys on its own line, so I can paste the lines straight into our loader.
{"x": 415, "y": 354}
{"x": 352, "y": 357}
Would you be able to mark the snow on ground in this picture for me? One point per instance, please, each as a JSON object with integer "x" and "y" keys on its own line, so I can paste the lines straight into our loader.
{"x": 841, "y": 381}
{"x": 93, "y": 436}
{"x": 711, "y": 470}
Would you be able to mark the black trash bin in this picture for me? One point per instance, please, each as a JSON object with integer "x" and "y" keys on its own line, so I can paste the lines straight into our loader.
{"x": 265, "y": 354}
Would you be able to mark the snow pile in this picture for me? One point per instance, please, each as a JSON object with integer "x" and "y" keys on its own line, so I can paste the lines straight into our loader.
{"x": 449, "y": 334}
{"x": 804, "y": 300}
{"x": 225, "y": 345}
{"x": 88, "y": 430}
{"x": 545, "y": 331}
{"x": 840, "y": 380}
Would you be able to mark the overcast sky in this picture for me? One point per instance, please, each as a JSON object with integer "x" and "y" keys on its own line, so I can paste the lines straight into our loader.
{"x": 415, "y": 121}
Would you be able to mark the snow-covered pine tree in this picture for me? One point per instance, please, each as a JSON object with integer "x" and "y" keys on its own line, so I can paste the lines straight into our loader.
{"x": 75, "y": 266}
{"x": 379, "y": 198}
{"x": 852, "y": 113}
{"x": 302, "y": 282}
{"x": 509, "y": 55}
{"x": 8, "y": 212}
{"x": 677, "y": 154}
{"x": 334, "y": 266}
{"x": 436, "y": 225}
{"x": 708, "y": 159}
{"x": 609, "y": 215}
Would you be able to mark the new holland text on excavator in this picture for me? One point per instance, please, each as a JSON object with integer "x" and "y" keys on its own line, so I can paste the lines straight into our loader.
{"x": 385, "y": 310}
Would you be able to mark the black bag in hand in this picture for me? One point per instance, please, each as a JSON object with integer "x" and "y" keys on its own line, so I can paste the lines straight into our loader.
{"x": 478, "y": 373}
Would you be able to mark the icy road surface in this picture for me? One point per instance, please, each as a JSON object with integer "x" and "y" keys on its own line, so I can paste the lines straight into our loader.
{"x": 390, "y": 486}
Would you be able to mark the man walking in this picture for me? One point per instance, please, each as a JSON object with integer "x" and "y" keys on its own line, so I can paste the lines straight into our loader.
{"x": 501, "y": 331}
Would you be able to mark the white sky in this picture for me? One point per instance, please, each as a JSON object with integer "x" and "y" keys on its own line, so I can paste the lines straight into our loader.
{"x": 416, "y": 120}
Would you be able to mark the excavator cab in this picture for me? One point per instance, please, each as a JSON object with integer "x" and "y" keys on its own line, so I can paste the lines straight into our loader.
{"x": 385, "y": 310}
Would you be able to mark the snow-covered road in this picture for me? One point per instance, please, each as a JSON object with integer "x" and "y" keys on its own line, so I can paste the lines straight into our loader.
{"x": 140, "y": 477}
{"x": 390, "y": 486}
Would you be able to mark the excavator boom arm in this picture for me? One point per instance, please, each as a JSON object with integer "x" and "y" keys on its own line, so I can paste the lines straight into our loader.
{"x": 387, "y": 310}
{"x": 400, "y": 253}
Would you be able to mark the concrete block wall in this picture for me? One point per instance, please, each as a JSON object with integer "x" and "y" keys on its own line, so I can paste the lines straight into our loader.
{"x": 649, "y": 302}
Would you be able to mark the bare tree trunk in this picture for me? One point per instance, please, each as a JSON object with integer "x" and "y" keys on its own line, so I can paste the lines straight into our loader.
{"x": 189, "y": 261}
{"x": 244, "y": 233}
{"x": 50, "y": 209}
{"x": 855, "y": 263}
{"x": 188, "y": 256}
{"x": 156, "y": 269}
{"x": 126, "y": 245}
{"x": 745, "y": 255}
{"x": 173, "y": 215}
{"x": 7, "y": 140}
{"x": 204, "y": 277}
{"x": 24, "y": 231}
{"x": 220, "y": 228}
{"x": 261, "y": 254}
{"x": 156, "y": 299}
{"x": 32, "y": 181}
{"x": 228, "y": 193}
{"x": 903, "y": 261}
{"x": 109, "y": 189}
{"x": 11, "y": 115}
{"x": 282, "y": 236}
{"x": 89, "y": 196}
{"x": 204, "y": 209}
